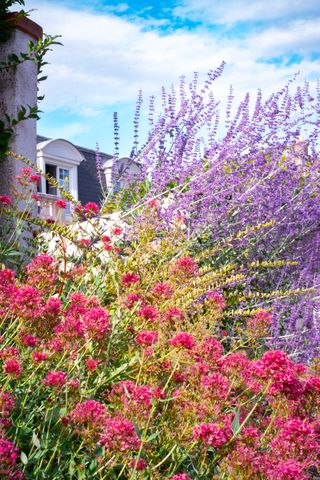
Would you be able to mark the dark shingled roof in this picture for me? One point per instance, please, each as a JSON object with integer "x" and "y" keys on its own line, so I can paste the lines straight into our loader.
{"x": 89, "y": 189}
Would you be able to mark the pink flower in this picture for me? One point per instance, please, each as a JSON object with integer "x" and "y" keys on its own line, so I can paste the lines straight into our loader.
{"x": 29, "y": 340}
{"x": 210, "y": 349}
{"x": 7, "y": 277}
{"x": 136, "y": 400}
{"x": 184, "y": 340}
{"x": 8, "y": 453}
{"x": 7, "y": 403}
{"x": 129, "y": 279}
{"x": 96, "y": 322}
{"x": 92, "y": 364}
{"x": 91, "y": 209}
{"x": 6, "y": 200}
{"x": 180, "y": 476}
{"x": 12, "y": 367}
{"x": 186, "y": 266}
{"x": 88, "y": 413}
{"x": 26, "y": 172}
{"x": 174, "y": 313}
{"x": 106, "y": 239}
{"x": 149, "y": 312}
{"x": 217, "y": 299}
{"x": 163, "y": 290}
{"x": 119, "y": 435}
{"x": 139, "y": 465}
{"x": 212, "y": 434}
{"x": 85, "y": 242}
{"x": 117, "y": 231}
{"x": 39, "y": 356}
{"x": 216, "y": 385}
{"x": 74, "y": 384}
{"x": 147, "y": 338}
{"x": 271, "y": 364}
{"x": 153, "y": 203}
{"x": 131, "y": 300}
{"x": 35, "y": 197}
{"x": 287, "y": 470}
{"x": 60, "y": 204}
{"x": 35, "y": 179}
{"x": 55, "y": 379}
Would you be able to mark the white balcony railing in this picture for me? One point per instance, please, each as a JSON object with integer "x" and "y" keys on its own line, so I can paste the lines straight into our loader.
{"x": 49, "y": 211}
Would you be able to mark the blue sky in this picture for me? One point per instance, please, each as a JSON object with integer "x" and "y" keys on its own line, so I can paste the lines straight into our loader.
{"x": 111, "y": 49}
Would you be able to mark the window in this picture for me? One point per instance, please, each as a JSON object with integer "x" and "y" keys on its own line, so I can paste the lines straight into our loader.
{"x": 59, "y": 159}
{"x": 51, "y": 170}
{"x": 64, "y": 182}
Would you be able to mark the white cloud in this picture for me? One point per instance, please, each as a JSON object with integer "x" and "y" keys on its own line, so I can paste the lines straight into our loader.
{"x": 230, "y": 12}
{"x": 67, "y": 130}
{"x": 106, "y": 59}
{"x": 301, "y": 36}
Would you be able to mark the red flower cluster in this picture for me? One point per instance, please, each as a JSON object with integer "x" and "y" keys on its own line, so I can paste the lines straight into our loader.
{"x": 147, "y": 338}
{"x": 180, "y": 476}
{"x": 184, "y": 340}
{"x": 6, "y": 200}
{"x": 91, "y": 209}
{"x": 9, "y": 454}
{"x": 55, "y": 379}
{"x": 162, "y": 290}
{"x": 129, "y": 279}
{"x": 132, "y": 299}
{"x": 149, "y": 312}
{"x": 185, "y": 266}
{"x": 212, "y": 434}
{"x": 60, "y": 204}
{"x": 119, "y": 435}
{"x": 217, "y": 300}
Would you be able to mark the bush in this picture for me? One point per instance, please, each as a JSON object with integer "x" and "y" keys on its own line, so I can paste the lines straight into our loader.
{"x": 147, "y": 367}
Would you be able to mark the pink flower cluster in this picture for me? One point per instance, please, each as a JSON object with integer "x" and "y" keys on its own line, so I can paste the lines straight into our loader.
{"x": 212, "y": 434}
{"x": 129, "y": 279}
{"x": 8, "y": 460}
{"x": 119, "y": 435}
{"x": 55, "y": 379}
{"x": 147, "y": 338}
{"x": 162, "y": 290}
{"x": 185, "y": 266}
{"x": 184, "y": 340}
{"x": 216, "y": 299}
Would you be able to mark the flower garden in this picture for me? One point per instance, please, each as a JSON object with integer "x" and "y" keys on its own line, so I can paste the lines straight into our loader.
{"x": 182, "y": 342}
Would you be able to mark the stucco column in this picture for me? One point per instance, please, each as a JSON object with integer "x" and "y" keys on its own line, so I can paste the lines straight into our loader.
{"x": 18, "y": 86}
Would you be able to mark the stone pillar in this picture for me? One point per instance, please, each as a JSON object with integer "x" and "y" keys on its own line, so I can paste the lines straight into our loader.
{"x": 18, "y": 87}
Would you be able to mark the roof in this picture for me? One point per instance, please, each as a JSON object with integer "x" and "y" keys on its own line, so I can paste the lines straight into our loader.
{"x": 89, "y": 187}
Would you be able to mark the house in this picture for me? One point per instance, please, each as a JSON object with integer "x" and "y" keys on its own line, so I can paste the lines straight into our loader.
{"x": 87, "y": 174}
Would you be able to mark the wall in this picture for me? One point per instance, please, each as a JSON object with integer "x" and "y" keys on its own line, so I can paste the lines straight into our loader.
{"x": 18, "y": 87}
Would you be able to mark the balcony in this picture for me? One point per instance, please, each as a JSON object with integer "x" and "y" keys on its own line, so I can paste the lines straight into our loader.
{"x": 49, "y": 211}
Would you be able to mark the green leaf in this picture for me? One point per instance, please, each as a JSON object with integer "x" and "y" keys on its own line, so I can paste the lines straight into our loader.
{"x": 152, "y": 436}
{"x": 24, "y": 458}
{"x": 35, "y": 440}
{"x": 235, "y": 425}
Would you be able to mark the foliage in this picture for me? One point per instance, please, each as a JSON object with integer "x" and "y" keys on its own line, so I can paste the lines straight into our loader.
{"x": 149, "y": 364}
{"x": 5, "y": 22}
{"x": 254, "y": 163}
{"x": 145, "y": 358}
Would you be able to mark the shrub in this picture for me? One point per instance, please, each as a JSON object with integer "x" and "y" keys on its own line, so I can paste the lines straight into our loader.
{"x": 147, "y": 366}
